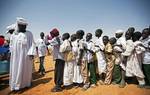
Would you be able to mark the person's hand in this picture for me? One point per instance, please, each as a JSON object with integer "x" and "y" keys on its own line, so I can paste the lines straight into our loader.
{"x": 79, "y": 62}
{"x": 31, "y": 57}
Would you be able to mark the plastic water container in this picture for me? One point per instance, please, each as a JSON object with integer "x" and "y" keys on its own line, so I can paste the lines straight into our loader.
{"x": 4, "y": 60}
{"x": 4, "y": 67}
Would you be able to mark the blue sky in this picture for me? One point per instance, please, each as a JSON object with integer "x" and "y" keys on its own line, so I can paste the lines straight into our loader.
{"x": 72, "y": 15}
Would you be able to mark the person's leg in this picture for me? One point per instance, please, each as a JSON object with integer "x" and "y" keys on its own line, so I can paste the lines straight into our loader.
{"x": 42, "y": 65}
{"x": 91, "y": 68}
{"x": 141, "y": 82}
{"x": 116, "y": 74}
{"x": 146, "y": 70}
{"x": 58, "y": 75}
{"x": 84, "y": 73}
{"x": 123, "y": 83}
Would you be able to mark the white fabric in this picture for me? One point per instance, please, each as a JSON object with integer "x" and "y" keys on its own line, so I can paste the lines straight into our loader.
{"x": 100, "y": 55}
{"x": 68, "y": 69}
{"x": 65, "y": 46}
{"x": 146, "y": 59}
{"x": 10, "y": 27}
{"x": 119, "y": 31}
{"x": 90, "y": 46}
{"x": 118, "y": 57}
{"x": 41, "y": 47}
{"x": 55, "y": 48}
{"x": 22, "y": 21}
{"x": 129, "y": 48}
{"x": 68, "y": 73}
{"x": 134, "y": 62}
{"x": 82, "y": 45}
{"x": 122, "y": 41}
{"x": 77, "y": 77}
{"x": 20, "y": 62}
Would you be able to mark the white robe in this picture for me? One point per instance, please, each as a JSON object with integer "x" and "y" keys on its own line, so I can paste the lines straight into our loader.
{"x": 119, "y": 58}
{"x": 90, "y": 46}
{"x": 100, "y": 56}
{"x": 77, "y": 77}
{"x": 134, "y": 61}
{"x": 146, "y": 59}
{"x": 68, "y": 69}
{"x": 41, "y": 47}
{"x": 21, "y": 63}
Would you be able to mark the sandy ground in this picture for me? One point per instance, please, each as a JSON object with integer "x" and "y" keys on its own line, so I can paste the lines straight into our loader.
{"x": 42, "y": 85}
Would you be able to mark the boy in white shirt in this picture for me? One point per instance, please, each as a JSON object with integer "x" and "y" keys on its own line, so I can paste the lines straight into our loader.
{"x": 41, "y": 53}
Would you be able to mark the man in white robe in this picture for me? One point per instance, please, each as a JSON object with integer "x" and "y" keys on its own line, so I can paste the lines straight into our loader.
{"x": 22, "y": 49}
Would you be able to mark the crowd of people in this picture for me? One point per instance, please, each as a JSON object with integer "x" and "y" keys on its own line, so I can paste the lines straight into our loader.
{"x": 81, "y": 62}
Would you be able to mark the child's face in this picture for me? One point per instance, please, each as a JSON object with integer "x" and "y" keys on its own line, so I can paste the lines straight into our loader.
{"x": 97, "y": 34}
{"x": 42, "y": 35}
{"x": 63, "y": 37}
{"x": 145, "y": 34}
{"x": 73, "y": 37}
{"x": 117, "y": 35}
{"x": 128, "y": 35}
{"x": 22, "y": 28}
{"x": 105, "y": 40}
{"x": 88, "y": 37}
{"x": 112, "y": 41}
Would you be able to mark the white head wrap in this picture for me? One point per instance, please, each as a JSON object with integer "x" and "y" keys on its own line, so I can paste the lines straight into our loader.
{"x": 119, "y": 32}
{"x": 21, "y": 21}
{"x": 11, "y": 27}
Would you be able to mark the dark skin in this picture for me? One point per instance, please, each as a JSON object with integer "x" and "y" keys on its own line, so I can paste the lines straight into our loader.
{"x": 65, "y": 36}
{"x": 118, "y": 35}
{"x": 112, "y": 41}
{"x": 73, "y": 37}
{"x": 98, "y": 33}
{"x": 145, "y": 34}
{"x": 128, "y": 35}
{"x": 22, "y": 28}
{"x": 42, "y": 35}
{"x": 105, "y": 40}
{"x": 11, "y": 31}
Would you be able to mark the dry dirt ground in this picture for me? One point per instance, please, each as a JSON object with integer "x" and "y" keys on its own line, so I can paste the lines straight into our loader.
{"x": 41, "y": 85}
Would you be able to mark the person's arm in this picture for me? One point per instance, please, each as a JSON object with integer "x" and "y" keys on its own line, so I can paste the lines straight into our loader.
{"x": 80, "y": 56}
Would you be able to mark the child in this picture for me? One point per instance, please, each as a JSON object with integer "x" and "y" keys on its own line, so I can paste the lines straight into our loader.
{"x": 59, "y": 60}
{"x": 66, "y": 49}
{"x": 119, "y": 68}
{"x": 90, "y": 59}
{"x": 134, "y": 52}
{"x": 125, "y": 54}
{"x": 77, "y": 77}
{"x": 82, "y": 58}
{"x": 146, "y": 60}
{"x": 110, "y": 58}
{"x": 99, "y": 48}
{"x": 41, "y": 47}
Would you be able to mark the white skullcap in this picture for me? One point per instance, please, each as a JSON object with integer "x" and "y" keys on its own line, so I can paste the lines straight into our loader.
{"x": 119, "y": 32}
{"x": 11, "y": 27}
{"x": 21, "y": 21}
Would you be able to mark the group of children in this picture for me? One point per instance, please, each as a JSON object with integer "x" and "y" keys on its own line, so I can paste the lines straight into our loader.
{"x": 85, "y": 63}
